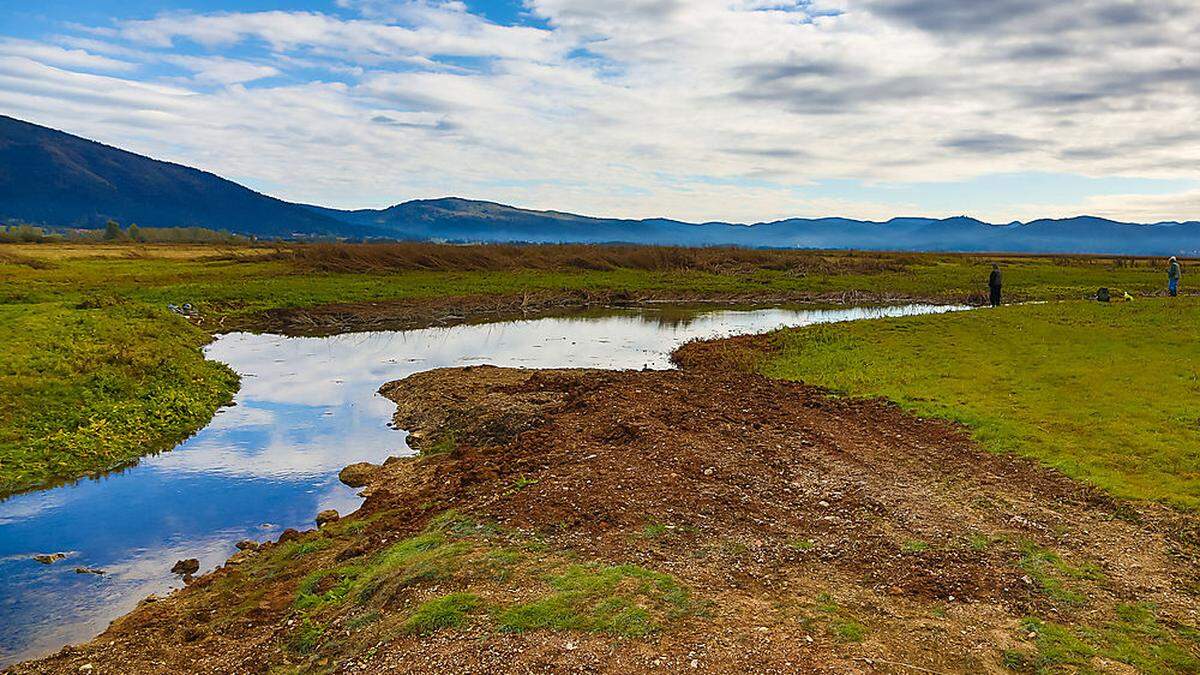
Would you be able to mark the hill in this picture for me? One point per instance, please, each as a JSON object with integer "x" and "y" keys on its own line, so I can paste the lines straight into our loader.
{"x": 48, "y": 177}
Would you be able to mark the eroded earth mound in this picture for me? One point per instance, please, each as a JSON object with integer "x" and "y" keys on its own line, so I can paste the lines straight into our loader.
{"x": 580, "y": 521}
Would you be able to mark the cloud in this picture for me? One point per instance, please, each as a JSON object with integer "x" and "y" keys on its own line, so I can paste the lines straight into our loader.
{"x": 990, "y": 144}
{"x": 1136, "y": 208}
{"x": 700, "y": 110}
{"x": 218, "y": 70}
{"x": 58, "y": 56}
{"x": 442, "y": 30}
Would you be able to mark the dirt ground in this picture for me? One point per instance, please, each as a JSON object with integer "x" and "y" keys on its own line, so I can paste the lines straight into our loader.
{"x": 811, "y": 534}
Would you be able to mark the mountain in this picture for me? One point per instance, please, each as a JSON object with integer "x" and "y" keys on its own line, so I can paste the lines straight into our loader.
{"x": 52, "y": 178}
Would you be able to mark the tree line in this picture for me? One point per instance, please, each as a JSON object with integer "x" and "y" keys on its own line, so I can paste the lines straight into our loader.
{"x": 113, "y": 232}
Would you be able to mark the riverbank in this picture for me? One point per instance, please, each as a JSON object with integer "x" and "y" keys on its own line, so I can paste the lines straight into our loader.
{"x": 97, "y": 371}
{"x": 1105, "y": 393}
{"x": 704, "y": 518}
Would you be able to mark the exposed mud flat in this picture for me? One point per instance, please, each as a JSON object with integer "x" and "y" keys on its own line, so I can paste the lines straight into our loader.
{"x": 787, "y": 531}
{"x": 447, "y": 311}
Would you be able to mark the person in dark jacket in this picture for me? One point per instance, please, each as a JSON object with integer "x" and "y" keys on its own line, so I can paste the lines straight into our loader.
{"x": 994, "y": 282}
{"x": 1173, "y": 274}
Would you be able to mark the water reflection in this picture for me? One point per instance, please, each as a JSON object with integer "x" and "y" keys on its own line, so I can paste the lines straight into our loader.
{"x": 307, "y": 407}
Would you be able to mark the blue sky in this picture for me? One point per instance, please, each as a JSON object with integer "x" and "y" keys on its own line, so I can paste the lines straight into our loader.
{"x": 707, "y": 109}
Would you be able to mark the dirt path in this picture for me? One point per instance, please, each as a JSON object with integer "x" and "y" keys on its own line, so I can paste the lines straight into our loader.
{"x": 746, "y": 525}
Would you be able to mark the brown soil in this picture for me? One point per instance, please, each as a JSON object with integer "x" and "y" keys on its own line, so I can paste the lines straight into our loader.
{"x": 446, "y": 311}
{"x": 820, "y": 534}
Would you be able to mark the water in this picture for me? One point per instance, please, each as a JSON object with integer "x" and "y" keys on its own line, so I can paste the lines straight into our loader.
{"x": 306, "y": 408}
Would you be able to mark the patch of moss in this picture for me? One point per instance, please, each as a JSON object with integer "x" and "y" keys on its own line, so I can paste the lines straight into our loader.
{"x": 840, "y": 623}
{"x": 444, "y": 445}
{"x": 979, "y": 542}
{"x": 654, "y": 530}
{"x": 848, "y": 630}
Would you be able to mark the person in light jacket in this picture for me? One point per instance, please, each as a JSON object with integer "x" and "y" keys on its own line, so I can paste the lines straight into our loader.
{"x": 1173, "y": 274}
{"x": 994, "y": 283}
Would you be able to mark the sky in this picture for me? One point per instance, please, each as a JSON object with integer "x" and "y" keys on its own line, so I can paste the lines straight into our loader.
{"x": 736, "y": 110}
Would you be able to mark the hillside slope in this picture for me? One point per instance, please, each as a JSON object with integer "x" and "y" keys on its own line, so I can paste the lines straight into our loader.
{"x": 53, "y": 178}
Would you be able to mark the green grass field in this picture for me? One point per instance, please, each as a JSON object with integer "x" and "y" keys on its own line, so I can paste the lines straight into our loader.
{"x": 1107, "y": 393}
{"x": 95, "y": 371}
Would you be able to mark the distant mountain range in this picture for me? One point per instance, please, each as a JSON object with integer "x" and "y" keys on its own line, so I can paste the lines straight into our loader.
{"x": 52, "y": 178}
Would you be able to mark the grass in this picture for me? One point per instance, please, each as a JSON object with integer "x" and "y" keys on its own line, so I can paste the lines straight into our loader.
{"x": 94, "y": 371}
{"x": 600, "y": 599}
{"x": 654, "y": 530}
{"x": 307, "y": 638}
{"x": 1134, "y": 636}
{"x": 445, "y": 444}
{"x": 479, "y": 570}
{"x": 1104, "y": 393}
{"x": 96, "y": 385}
{"x": 840, "y": 624}
{"x": 1055, "y": 577}
{"x": 448, "y": 611}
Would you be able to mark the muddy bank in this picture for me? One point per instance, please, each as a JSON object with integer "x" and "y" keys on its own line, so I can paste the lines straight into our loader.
{"x": 704, "y": 518}
{"x": 448, "y": 311}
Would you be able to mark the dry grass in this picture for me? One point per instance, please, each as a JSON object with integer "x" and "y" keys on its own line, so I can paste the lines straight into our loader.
{"x": 133, "y": 250}
{"x": 363, "y": 258}
{"x": 12, "y": 258}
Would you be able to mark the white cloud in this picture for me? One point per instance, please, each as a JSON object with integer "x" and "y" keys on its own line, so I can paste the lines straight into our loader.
{"x": 696, "y": 109}
{"x": 59, "y": 56}
{"x": 218, "y": 70}
{"x": 1134, "y": 208}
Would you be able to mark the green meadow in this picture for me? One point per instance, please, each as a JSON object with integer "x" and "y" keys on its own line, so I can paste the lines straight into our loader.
{"x": 1106, "y": 393}
{"x": 95, "y": 371}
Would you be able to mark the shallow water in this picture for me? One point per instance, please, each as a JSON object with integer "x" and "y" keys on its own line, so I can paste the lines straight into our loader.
{"x": 306, "y": 408}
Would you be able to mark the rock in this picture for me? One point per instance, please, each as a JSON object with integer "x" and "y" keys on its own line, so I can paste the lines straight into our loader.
{"x": 247, "y": 545}
{"x": 288, "y": 535}
{"x": 186, "y": 567}
{"x": 351, "y": 551}
{"x": 48, "y": 558}
{"x": 85, "y": 668}
{"x": 708, "y": 471}
{"x": 88, "y": 570}
{"x": 241, "y": 557}
{"x": 358, "y": 474}
{"x": 327, "y": 516}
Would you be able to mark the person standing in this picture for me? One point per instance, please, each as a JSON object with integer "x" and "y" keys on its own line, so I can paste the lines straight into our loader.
{"x": 1173, "y": 274}
{"x": 994, "y": 282}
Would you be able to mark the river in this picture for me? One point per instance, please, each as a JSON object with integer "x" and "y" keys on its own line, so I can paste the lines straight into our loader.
{"x": 306, "y": 408}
